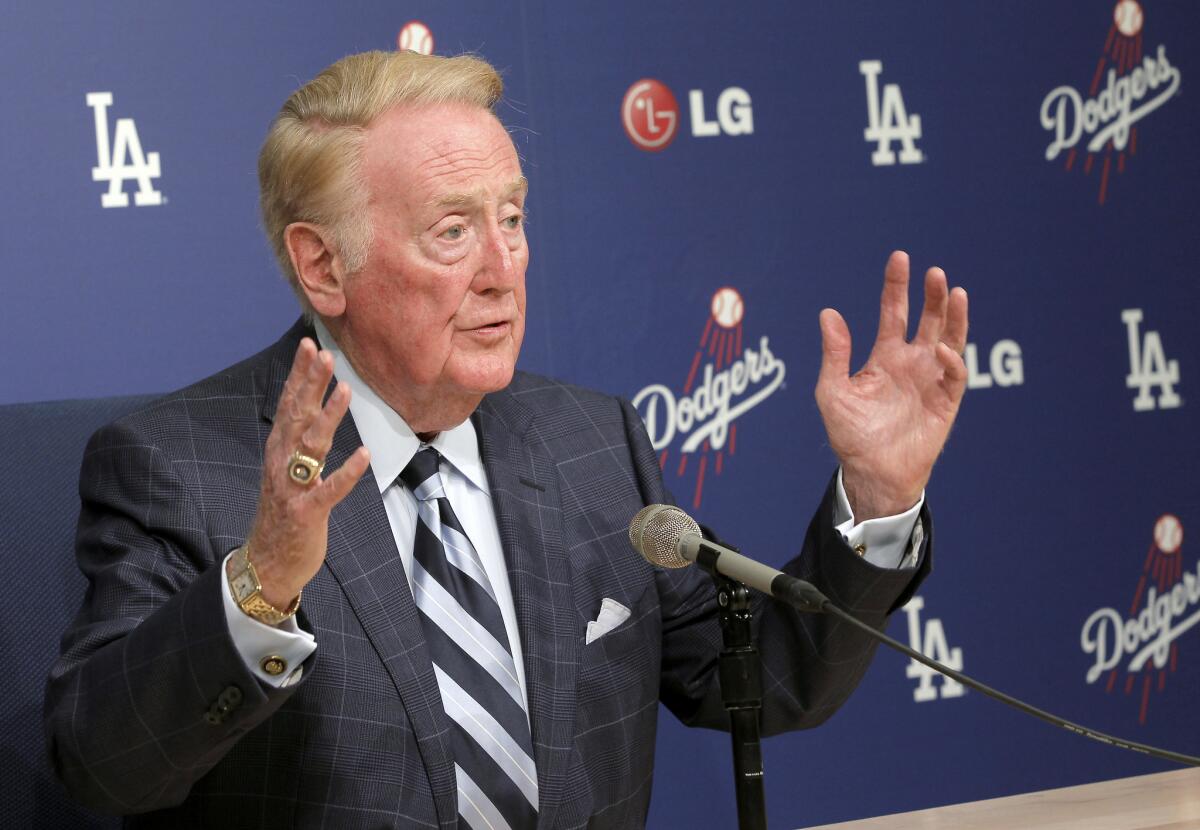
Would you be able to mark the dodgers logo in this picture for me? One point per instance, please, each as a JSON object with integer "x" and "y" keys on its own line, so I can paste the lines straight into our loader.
{"x": 701, "y": 421}
{"x": 890, "y": 122}
{"x": 1149, "y": 367}
{"x": 125, "y": 161}
{"x": 1135, "y": 652}
{"x": 928, "y": 636}
{"x": 1126, "y": 87}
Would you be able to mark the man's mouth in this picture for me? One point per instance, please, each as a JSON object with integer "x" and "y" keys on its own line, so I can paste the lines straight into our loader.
{"x": 494, "y": 328}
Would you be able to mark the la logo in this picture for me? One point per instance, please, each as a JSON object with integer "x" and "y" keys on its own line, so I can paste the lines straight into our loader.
{"x": 893, "y": 123}
{"x": 1148, "y": 366}
{"x": 930, "y": 640}
{"x": 125, "y": 161}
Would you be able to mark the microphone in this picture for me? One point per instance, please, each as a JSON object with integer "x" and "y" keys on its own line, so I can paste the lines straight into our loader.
{"x": 670, "y": 538}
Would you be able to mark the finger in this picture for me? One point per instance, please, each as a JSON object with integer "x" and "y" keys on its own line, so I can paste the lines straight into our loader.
{"x": 835, "y": 348}
{"x": 893, "y": 304}
{"x": 339, "y": 484}
{"x": 295, "y": 401}
{"x": 954, "y": 379}
{"x": 318, "y": 438}
{"x": 312, "y": 390}
{"x": 305, "y": 353}
{"x": 305, "y": 407}
{"x": 933, "y": 315}
{"x": 283, "y": 437}
{"x": 954, "y": 334}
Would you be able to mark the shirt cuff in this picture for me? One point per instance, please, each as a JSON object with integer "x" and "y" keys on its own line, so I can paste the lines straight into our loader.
{"x": 886, "y": 542}
{"x": 282, "y": 649}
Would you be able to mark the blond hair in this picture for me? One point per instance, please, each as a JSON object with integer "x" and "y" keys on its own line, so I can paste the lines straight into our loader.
{"x": 308, "y": 169}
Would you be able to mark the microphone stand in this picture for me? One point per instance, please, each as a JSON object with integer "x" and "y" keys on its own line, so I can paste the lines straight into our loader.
{"x": 741, "y": 691}
{"x": 668, "y": 537}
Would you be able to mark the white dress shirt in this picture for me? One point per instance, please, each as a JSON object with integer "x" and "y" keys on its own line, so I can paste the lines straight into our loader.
{"x": 888, "y": 542}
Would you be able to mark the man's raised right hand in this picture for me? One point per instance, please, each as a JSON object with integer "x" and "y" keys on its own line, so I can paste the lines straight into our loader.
{"x": 291, "y": 528}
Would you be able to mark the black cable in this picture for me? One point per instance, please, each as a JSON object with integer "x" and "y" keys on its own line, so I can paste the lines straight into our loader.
{"x": 668, "y": 537}
{"x": 1121, "y": 743}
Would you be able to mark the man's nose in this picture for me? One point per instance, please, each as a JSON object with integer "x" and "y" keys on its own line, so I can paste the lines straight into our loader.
{"x": 497, "y": 272}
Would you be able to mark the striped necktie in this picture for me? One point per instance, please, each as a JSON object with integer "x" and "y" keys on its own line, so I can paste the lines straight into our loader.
{"x": 493, "y": 750}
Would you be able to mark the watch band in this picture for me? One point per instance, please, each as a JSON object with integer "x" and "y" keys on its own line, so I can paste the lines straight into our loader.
{"x": 247, "y": 591}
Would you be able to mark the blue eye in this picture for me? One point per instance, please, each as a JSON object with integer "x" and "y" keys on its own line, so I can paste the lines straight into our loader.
{"x": 454, "y": 232}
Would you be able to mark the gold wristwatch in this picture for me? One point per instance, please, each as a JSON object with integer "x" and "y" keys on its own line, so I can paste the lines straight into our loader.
{"x": 247, "y": 590}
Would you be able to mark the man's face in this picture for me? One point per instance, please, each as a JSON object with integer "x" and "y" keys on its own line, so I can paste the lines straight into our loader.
{"x": 435, "y": 318}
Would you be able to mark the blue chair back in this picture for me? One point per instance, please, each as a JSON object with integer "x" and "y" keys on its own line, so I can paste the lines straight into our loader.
{"x": 41, "y": 446}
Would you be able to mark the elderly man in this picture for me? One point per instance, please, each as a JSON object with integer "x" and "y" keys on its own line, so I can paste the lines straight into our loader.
{"x": 426, "y": 613}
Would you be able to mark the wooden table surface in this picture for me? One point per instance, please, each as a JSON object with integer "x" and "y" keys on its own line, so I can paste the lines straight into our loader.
{"x": 1164, "y": 801}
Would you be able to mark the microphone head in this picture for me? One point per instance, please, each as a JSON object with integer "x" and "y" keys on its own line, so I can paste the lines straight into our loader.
{"x": 656, "y": 531}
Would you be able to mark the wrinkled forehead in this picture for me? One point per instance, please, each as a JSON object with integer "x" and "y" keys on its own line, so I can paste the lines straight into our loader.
{"x": 441, "y": 151}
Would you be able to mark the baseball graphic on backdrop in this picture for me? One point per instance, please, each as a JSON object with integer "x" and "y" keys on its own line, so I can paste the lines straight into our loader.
{"x": 1127, "y": 14}
{"x": 1168, "y": 533}
{"x": 727, "y": 308}
{"x": 415, "y": 37}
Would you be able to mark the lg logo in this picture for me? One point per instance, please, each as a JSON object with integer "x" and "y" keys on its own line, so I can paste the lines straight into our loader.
{"x": 1004, "y": 361}
{"x": 650, "y": 114}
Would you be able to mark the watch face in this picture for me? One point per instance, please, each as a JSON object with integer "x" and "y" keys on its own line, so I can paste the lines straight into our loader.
{"x": 243, "y": 585}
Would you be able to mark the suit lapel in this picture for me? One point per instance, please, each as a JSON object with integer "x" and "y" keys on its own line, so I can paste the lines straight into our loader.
{"x": 525, "y": 493}
{"x": 362, "y": 558}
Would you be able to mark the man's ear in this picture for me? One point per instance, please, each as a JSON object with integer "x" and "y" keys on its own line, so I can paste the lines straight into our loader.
{"x": 318, "y": 267}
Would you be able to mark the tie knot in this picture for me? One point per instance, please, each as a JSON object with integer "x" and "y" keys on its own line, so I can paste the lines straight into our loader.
{"x": 421, "y": 475}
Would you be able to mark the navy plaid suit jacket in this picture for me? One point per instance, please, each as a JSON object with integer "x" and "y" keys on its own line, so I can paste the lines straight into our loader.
{"x": 362, "y": 740}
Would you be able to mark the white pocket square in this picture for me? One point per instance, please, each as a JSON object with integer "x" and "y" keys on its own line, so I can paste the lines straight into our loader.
{"x": 612, "y": 614}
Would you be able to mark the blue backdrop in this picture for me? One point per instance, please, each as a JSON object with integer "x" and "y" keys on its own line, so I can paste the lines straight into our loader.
{"x": 1044, "y": 154}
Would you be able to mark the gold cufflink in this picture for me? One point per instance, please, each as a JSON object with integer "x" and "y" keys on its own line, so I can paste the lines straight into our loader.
{"x": 274, "y": 665}
{"x": 860, "y": 549}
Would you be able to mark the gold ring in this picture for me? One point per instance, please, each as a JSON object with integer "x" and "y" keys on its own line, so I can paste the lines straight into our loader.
{"x": 304, "y": 469}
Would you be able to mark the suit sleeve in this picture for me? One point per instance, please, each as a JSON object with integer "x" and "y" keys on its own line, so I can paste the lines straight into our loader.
{"x": 149, "y": 692}
{"x": 810, "y": 662}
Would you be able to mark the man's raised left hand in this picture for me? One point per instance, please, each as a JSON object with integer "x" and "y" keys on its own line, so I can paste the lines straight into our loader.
{"x": 888, "y": 422}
